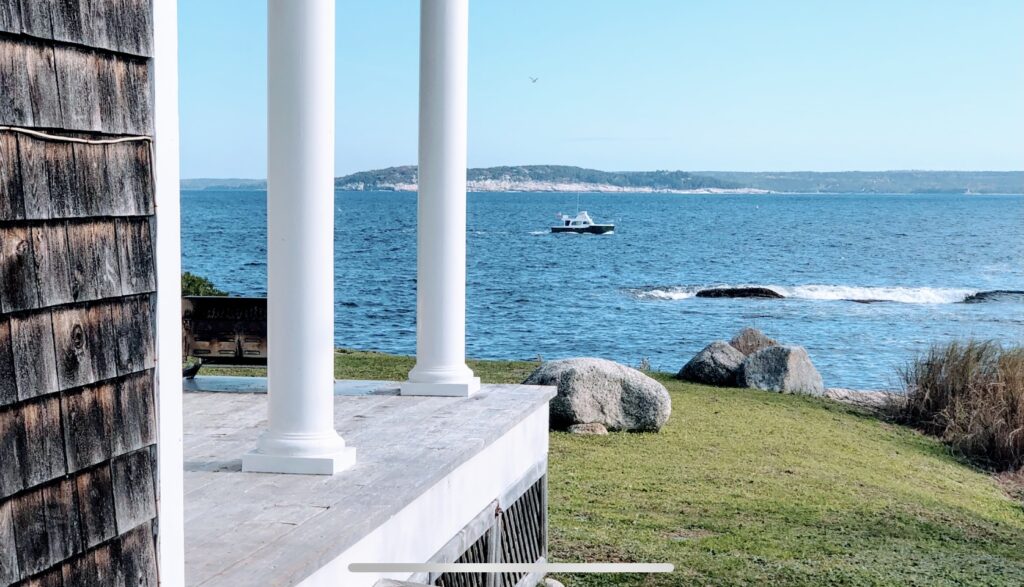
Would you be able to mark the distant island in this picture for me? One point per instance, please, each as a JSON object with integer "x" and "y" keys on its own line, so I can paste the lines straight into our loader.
{"x": 563, "y": 178}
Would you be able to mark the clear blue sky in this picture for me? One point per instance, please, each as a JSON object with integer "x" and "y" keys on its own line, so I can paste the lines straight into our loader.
{"x": 647, "y": 84}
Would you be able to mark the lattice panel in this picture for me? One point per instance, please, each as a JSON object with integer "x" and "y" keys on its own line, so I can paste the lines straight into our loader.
{"x": 477, "y": 553}
{"x": 521, "y": 529}
{"x": 522, "y": 536}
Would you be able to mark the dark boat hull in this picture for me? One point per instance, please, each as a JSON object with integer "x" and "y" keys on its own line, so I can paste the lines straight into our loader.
{"x": 592, "y": 229}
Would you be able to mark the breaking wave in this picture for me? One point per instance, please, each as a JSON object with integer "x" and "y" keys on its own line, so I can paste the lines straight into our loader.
{"x": 905, "y": 295}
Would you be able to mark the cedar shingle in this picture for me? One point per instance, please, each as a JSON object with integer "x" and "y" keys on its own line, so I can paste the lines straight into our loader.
{"x": 12, "y": 203}
{"x": 52, "y": 578}
{"x": 8, "y": 386}
{"x": 62, "y": 528}
{"x": 134, "y": 490}
{"x": 42, "y": 83}
{"x": 35, "y": 366}
{"x": 94, "y": 265}
{"x": 17, "y": 270}
{"x": 138, "y": 557}
{"x": 64, "y": 195}
{"x": 76, "y": 79}
{"x": 53, "y": 265}
{"x": 88, "y": 424}
{"x": 34, "y": 183}
{"x": 35, "y": 18}
{"x": 85, "y": 345}
{"x": 43, "y": 456}
{"x": 10, "y": 16}
{"x": 12, "y": 445}
{"x": 97, "y": 567}
{"x": 134, "y": 413}
{"x": 30, "y": 522}
{"x": 16, "y": 99}
{"x": 133, "y": 322}
{"x": 96, "y": 505}
{"x": 135, "y": 248}
{"x": 9, "y": 572}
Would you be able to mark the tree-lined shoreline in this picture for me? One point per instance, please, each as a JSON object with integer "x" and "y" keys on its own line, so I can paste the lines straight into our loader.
{"x": 562, "y": 178}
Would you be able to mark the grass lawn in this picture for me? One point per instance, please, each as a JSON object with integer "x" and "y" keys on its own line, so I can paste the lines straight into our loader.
{"x": 754, "y": 488}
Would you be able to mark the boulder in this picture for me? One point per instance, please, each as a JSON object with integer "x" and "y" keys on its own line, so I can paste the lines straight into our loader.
{"x": 717, "y": 364}
{"x": 596, "y": 390}
{"x": 739, "y": 292}
{"x": 750, "y": 340}
{"x": 591, "y": 428}
{"x": 785, "y": 369}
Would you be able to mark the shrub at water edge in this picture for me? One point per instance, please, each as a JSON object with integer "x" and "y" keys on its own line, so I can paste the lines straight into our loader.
{"x": 970, "y": 394}
{"x": 194, "y": 285}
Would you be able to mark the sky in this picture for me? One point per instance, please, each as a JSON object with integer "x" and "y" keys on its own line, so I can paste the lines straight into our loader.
{"x": 738, "y": 85}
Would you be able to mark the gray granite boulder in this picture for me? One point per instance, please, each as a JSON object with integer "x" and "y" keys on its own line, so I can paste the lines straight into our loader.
{"x": 596, "y": 390}
{"x": 717, "y": 364}
{"x": 750, "y": 340}
{"x": 785, "y": 369}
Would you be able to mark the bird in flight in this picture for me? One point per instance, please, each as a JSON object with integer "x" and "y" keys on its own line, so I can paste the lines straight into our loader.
{"x": 533, "y": 79}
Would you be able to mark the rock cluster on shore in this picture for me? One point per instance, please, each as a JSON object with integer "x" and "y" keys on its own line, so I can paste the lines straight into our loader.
{"x": 753, "y": 360}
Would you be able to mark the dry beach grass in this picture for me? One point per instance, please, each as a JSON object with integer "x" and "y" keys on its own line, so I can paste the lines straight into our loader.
{"x": 970, "y": 394}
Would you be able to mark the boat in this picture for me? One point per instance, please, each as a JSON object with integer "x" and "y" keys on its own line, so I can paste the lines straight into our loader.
{"x": 581, "y": 224}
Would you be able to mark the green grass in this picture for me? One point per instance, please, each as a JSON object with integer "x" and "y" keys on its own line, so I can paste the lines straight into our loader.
{"x": 753, "y": 488}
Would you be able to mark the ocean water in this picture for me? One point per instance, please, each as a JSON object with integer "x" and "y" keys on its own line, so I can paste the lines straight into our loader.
{"x": 629, "y": 296}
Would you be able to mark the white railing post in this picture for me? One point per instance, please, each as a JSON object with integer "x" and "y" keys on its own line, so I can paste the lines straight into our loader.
{"x": 441, "y": 230}
{"x": 300, "y": 244}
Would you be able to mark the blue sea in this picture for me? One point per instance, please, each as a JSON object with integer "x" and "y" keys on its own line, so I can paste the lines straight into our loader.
{"x": 629, "y": 296}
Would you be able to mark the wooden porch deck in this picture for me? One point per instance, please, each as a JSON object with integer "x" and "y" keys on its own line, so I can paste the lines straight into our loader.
{"x": 274, "y": 529}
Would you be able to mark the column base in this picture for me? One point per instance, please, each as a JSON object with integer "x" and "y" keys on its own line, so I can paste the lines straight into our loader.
{"x": 330, "y": 464}
{"x": 464, "y": 389}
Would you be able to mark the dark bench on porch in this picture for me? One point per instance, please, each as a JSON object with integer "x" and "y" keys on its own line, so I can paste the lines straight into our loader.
{"x": 223, "y": 331}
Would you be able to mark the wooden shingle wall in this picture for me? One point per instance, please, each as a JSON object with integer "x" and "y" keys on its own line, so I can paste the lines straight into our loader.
{"x": 77, "y": 295}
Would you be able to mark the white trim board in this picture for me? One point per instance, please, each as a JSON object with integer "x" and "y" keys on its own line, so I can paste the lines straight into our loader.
{"x": 170, "y": 477}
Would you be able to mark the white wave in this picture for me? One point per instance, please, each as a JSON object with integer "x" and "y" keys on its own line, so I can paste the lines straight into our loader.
{"x": 905, "y": 295}
{"x": 665, "y": 293}
{"x": 539, "y": 232}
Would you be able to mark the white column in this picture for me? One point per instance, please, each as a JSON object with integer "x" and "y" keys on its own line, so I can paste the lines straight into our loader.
{"x": 441, "y": 234}
{"x": 300, "y": 244}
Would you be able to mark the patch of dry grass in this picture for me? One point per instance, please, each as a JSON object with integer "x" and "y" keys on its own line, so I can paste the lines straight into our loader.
{"x": 971, "y": 395}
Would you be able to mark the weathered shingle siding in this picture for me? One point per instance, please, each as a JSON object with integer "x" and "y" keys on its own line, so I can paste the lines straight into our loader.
{"x": 77, "y": 296}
